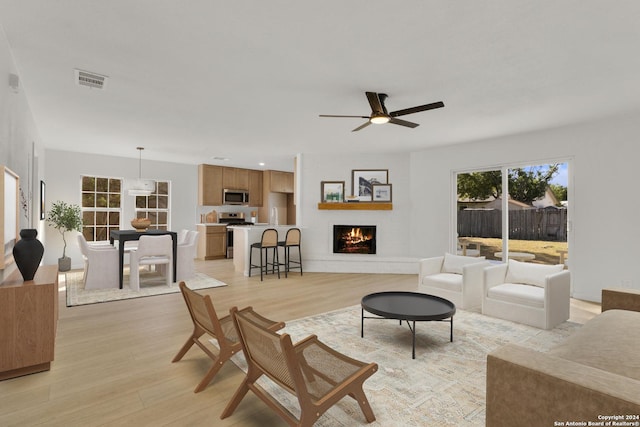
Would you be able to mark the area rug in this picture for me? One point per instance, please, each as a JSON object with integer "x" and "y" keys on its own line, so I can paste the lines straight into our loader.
{"x": 443, "y": 386}
{"x": 154, "y": 284}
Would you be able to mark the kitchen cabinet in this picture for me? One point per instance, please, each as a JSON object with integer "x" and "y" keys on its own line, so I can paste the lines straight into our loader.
{"x": 212, "y": 242}
{"x": 210, "y": 185}
{"x": 28, "y": 322}
{"x": 255, "y": 188}
{"x": 235, "y": 178}
{"x": 281, "y": 182}
{"x": 212, "y": 180}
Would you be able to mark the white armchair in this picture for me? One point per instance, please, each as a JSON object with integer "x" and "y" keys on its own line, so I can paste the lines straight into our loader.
{"x": 534, "y": 294}
{"x": 100, "y": 265}
{"x": 453, "y": 277}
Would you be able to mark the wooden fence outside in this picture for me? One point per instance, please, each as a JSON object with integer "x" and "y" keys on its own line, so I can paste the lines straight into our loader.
{"x": 548, "y": 224}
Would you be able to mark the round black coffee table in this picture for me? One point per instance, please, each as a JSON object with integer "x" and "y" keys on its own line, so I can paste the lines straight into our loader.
{"x": 409, "y": 306}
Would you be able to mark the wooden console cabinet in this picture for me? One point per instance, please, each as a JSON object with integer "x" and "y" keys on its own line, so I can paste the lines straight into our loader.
{"x": 28, "y": 322}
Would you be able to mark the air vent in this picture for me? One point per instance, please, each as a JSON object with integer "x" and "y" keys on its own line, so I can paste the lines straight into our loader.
{"x": 92, "y": 80}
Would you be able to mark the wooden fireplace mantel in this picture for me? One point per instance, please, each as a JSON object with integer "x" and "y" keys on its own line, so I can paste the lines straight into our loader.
{"x": 357, "y": 206}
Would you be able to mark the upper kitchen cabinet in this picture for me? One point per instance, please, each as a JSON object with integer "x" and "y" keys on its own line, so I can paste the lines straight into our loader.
{"x": 280, "y": 182}
{"x": 210, "y": 185}
{"x": 212, "y": 180}
{"x": 255, "y": 188}
{"x": 235, "y": 178}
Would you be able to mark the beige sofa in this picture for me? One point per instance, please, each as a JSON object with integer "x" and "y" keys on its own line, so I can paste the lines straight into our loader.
{"x": 595, "y": 373}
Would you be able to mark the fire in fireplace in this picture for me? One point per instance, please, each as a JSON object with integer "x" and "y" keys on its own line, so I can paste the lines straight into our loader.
{"x": 354, "y": 239}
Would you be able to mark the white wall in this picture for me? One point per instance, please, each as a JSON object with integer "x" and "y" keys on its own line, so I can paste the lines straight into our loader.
{"x": 20, "y": 145}
{"x": 63, "y": 171}
{"x": 604, "y": 203}
{"x": 393, "y": 233}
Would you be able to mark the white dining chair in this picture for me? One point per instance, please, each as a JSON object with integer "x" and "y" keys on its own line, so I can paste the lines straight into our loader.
{"x": 151, "y": 250}
{"x": 186, "y": 253}
{"x": 100, "y": 265}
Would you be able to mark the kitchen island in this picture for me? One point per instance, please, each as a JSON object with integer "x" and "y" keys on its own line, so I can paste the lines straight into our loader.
{"x": 245, "y": 235}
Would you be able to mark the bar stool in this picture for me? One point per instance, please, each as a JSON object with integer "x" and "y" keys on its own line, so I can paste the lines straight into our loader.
{"x": 269, "y": 241}
{"x": 291, "y": 240}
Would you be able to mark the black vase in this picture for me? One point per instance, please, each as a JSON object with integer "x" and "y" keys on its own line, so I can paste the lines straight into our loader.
{"x": 28, "y": 253}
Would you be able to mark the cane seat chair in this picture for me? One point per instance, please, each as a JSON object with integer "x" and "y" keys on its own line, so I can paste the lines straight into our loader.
{"x": 292, "y": 240}
{"x": 269, "y": 241}
{"x": 206, "y": 321}
{"x": 316, "y": 374}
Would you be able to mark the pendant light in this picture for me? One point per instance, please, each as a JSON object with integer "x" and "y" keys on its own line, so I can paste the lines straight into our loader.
{"x": 140, "y": 187}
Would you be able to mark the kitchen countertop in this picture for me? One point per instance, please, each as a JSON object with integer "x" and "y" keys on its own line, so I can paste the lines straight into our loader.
{"x": 212, "y": 224}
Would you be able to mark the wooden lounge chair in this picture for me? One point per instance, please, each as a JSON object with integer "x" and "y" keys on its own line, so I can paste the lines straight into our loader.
{"x": 313, "y": 372}
{"x": 206, "y": 321}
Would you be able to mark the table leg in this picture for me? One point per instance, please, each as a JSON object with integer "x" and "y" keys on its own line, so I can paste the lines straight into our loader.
{"x": 121, "y": 261}
{"x": 413, "y": 354}
{"x": 175, "y": 255}
{"x": 361, "y": 322}
{"x": 451, "y": 338}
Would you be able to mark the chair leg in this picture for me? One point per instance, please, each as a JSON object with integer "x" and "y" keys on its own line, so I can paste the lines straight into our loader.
{"x": 217, "y": 364}
{"x": 276, "y": 260}
{"x": 362, "y": 400}
{"x": 187, "y": 345}
{"x": 250, "y": 260}
{"x": 261, "y": 266}
{"x": 239, "y": 395}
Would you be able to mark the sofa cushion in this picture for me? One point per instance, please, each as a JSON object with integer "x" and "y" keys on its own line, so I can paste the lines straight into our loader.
{"x": 530, "y": 274}
{"x": 454, "y": 263}
{"x": 448, "y": 281}
{"x": 532, "y": 296}
{"x": 609, "y": 341}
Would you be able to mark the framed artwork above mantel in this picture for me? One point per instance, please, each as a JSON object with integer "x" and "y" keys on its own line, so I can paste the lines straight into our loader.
{"x": 363, "y": 180}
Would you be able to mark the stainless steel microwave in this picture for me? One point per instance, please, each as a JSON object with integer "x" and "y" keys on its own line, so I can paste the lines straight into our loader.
{"x": 235, "y": 197}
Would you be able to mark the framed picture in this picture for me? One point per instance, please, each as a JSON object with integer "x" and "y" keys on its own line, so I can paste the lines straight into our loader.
{"x": 42, "y": 200}
{"x": 381, "y": 192}
{"x": 364, "y": 179}
{"x": 332, "y": 191}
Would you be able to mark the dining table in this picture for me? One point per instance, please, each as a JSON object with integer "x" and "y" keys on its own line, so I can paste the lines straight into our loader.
{"x": 127, "y": 235}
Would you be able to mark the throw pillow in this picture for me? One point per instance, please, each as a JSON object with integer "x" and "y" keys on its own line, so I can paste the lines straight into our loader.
{"x": 530, "y": 274}
{"x": 454, "y": 263}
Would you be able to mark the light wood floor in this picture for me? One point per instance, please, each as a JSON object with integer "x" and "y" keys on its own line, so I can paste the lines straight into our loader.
{"x": 113, "y": 360}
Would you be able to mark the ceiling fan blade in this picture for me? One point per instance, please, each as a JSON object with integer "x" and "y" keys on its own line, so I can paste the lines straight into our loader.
{"x": 331, "y": 115}
{"x": 403, "y": 123}
{"x": 375, "y": 103}
{"x": 362, "y": 126}
{"x": 412, "y": 110}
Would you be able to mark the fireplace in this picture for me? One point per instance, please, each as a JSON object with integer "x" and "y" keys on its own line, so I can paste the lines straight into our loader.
{"x": 354, "y": 239}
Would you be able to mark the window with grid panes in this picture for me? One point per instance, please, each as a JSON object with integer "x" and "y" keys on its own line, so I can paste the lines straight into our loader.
{"x": 155, "y": 206}
{"x": 101, "y": 207}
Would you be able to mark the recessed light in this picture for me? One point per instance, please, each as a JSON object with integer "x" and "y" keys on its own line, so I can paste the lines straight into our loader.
{"x": 261, "y": 163}
{"x": 224, "y": 159}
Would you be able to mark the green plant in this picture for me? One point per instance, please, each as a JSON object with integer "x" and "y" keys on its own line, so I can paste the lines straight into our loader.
{"x": 65, "y": 217}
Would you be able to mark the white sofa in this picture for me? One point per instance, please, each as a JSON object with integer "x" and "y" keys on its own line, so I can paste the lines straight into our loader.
{"x": 453, "y": 277}
{"x": 534, "y": 294}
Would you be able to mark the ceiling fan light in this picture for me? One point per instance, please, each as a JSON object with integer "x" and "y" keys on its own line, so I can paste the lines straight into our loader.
{"x": 379, "y": 119}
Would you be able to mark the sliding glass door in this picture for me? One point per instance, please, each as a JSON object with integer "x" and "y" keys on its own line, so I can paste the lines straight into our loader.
{"x": 479, "y": 213}
{"x": 532, "y": 211}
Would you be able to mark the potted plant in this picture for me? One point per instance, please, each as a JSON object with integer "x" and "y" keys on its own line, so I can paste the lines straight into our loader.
{"x": 65, "y": 217}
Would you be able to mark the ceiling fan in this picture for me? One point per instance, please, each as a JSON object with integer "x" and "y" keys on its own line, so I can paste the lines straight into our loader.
{"x": 380, "y": 115}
